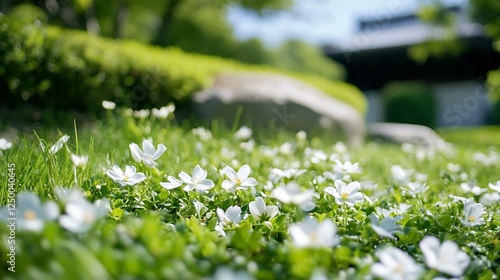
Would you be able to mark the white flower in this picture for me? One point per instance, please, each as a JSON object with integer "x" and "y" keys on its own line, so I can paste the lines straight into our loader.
{"x": 163, "y": 112}
{"x": 415, "y": 188}
{"x": 472, "y": 188}
{"x": 454, "y": 168}
{"x": 198, "y": 181}
{"x": 79, "y": 161}
{"x": 243, "y": 133}
{"x": 301, "y": 136}
{"x": 66, "y": 196}
{"x": 345, "y": 194}
{"x": 487, "y": 160}
{"x": 495, "y": 187}
{"x": 30, "y": 213}
{"x": 108, "y": 105}
{"x": 141, "y": 114}
{"x": 311, "y": 234}
{"x": 172, "y": 183}
{"x": 81, "y": 215}
{"x": 248, "y": 146}
{"x": 268, "y": 151}
{"x": 333, "y": 176}
{"x": 220, "y": 230}
{"x": 368, "y": 185}
{"x": 291, "y": 193}
{"x": 459, "y": 198}
{"x": 129, "y": 177}
{"x": 408, "y": 148}
{"x": 148, "y": 154}
{"x": 400, "y": 175}
{"x": 58, "y": 145}
{"x": 400, "y": 209}
{"x": 421, "y": 177}
{"x": 446, "y": 257}
{"x": 346, "y": 167}
{"x": 224, "y": 273}
{"x": 287, "y": 173}
{"x": 490, "y": 199}
{"x": 232, "y": 215}
{"x": 395, "y": 264}
{"x": 386, "y": 227}
{"x": 198, "y": 206}
{"x": 202, "y": 133}
{"x": 318, "y": 156}
{"x": 238, "y": 180}
{"x": 472, "y": 214}
{"x": 5, "y": 144}
{"x": 259, "y": 209}
{"x": 340, "y": 147}
{"x": 286, "y": 148}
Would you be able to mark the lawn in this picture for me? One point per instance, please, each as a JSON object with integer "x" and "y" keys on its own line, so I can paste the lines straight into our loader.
{"x": 220, "y": 203}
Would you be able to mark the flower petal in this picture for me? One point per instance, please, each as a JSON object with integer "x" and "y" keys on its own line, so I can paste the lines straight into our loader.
{"x": 249, "y": 182}
{"x": 148, "y": 147}
{"x": 136, "y": 152}
{"x": 227, "y": 185}
{"x": 199, "y": 173}
{"x": 243, "y": 172}
{"x": 161, "y": 149}
{"x": 353, "y": 187}
{"x": 185, "y": 177}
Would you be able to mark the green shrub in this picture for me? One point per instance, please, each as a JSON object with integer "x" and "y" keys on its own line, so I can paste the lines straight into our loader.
{"x": 493, "y": 84}
{"x": 494, "y": 117}
{"x": 58, "y": 68}
{"x": 410, "y": 102}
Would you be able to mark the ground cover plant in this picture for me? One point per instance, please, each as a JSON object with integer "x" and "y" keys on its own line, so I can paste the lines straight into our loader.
{"x": 139, "y": 196}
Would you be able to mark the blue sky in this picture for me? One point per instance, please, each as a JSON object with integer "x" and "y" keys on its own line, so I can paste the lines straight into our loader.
{"x": 318, "y": 21}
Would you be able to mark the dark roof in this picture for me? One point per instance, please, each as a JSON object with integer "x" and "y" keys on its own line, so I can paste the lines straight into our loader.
{"x": 404, "y": 30}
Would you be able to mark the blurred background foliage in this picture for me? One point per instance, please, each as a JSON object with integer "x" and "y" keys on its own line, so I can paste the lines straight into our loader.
{"x": 53, "y": 67}
{"x": 485, "y": 12}
{"x": 410, "y": 102}
{"x": 198, "y": 26}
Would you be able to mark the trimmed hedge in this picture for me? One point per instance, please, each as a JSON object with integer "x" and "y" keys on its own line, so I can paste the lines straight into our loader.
{"x": 58, "y": 68}
{"x": 494, "y": 114}
{"x": 410, "y": 102}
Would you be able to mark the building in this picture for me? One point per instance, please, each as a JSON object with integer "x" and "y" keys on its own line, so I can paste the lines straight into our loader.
{"x": 378, "y": 54}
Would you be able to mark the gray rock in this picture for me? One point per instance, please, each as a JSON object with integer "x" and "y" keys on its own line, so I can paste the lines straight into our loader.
{"x": 400, "y": 133}
{"x": 271, "y": 102}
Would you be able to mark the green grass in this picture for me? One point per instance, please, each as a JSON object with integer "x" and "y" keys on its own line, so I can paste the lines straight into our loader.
{"x": 154, "y": 233}
{"x": 475, "y": 136}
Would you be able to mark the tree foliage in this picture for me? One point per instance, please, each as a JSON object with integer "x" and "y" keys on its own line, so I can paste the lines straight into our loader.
{"x": 198, "y": 26}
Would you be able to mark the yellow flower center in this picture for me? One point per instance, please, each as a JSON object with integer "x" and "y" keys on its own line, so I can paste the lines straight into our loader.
{"x": 87, "y": 218}
{"x": 238, "y": 181}
{"x": 29, "y": 215}
{"x": 313, "y": 236}
{"x": 472, "y": 219}
{"x": 345, "y": 195}
{"x": 125, "y": 178}
{"x": 399, "y": 269}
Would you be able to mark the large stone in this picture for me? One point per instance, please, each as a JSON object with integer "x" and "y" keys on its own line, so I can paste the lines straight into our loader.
{"x": 273, "y": 102}
{"x": 400, "y": 133}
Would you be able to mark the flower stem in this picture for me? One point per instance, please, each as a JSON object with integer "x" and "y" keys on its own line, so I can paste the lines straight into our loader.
{"x": 344, "y": 215}
{"x": 74, "y": 172}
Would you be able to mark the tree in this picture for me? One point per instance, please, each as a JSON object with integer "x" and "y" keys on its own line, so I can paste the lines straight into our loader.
{"x": 488, "y": 13}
